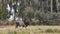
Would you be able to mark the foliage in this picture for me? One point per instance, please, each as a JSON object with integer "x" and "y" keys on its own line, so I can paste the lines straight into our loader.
{"x": 3, "y": 15}
{"x": 1, "y": 5}
{"x": 31, "y": 9}
{"x": 28, "y": 12}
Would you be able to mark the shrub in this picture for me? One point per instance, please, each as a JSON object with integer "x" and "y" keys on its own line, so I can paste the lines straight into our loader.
{"x": 3, "y": 15}
{"x": 42, "y": 15}
{"x": 28, "y": 12}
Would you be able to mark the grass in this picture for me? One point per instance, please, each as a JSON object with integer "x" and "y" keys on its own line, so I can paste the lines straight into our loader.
{"x": 52, "y": 31}
{"x": 30, "y": 30}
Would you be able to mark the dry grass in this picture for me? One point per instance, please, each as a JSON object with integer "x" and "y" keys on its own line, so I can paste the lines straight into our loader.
{"x": 28, "y": 30}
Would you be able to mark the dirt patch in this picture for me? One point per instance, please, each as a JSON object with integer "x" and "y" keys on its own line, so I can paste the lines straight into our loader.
{"x": 6, "y": 22}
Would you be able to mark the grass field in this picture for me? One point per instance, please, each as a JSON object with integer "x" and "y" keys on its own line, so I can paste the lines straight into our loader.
{"x": 30, "y": 30}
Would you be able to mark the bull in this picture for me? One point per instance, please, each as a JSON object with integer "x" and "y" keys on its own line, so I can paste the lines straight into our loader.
{"x": 22, "y": 22}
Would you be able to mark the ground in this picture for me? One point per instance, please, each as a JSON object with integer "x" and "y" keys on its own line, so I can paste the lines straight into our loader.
{"x": 38, "y": 29}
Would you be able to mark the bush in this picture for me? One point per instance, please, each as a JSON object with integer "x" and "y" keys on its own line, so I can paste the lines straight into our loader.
{"x": 28, "y": 12}
{"x": 3, "y": 15}
{"x": 42, "y": 15}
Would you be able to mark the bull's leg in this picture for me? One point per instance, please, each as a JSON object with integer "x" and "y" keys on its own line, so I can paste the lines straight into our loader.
{"x": 17, "y": 24}
{"x": 24, "y": 25}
